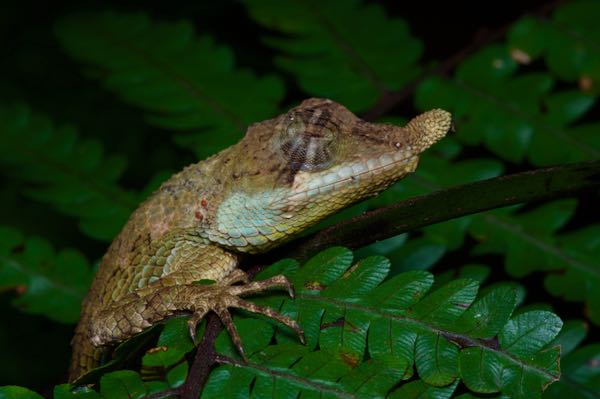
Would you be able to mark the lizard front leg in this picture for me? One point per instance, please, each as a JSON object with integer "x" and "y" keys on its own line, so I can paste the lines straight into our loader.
{"x": 135, "y": 313}
{"x": 176, "y": 293}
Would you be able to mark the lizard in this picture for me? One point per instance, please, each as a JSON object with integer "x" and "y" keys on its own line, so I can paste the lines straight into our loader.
{"x": 283, "y": 176}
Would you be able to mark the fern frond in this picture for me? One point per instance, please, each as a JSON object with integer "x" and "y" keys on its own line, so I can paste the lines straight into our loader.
{"x": 343, "y": 50}
{"x": 366, "y": 334}
{"x": 446, "y": 335}
{"x": 48, "y": 283}
{"x": 61, "y": 169}
{"x": 183, "y": 81}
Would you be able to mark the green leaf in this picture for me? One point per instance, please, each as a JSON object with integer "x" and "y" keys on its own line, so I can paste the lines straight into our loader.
{"x": 372, "y": 379}
{"x": 489, "y": 313}
{"x": 370, "y": 53}
{"x": 335, "y": 260}
{"x": 567, "y": 106}
{"x": 445, "y": 305}
{"x": 486, "y": 371}
{"x": 419, "y": 389}
{"x": 477, "y": 272}
{"x": 173, "y": 343}
{"x": 66, "y": 391}
{"x": 177, "y": 375}
{"x": 436, "y": 360}
{"x": 122, "y": 384}
{"x": 15, "y": 392}
{"x": 49, "y": 283}
{"x": 175, "y": 76}
{"x": 527, "y": 333}
{"x": 401, "y": 291}
{"x": 255, "y": 335}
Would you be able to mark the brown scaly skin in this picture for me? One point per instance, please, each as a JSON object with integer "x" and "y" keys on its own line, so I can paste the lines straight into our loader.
{"x": 286, "y": 174}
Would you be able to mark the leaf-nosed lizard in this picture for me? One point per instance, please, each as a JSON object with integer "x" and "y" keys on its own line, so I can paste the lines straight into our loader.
{"x": 286, "y": 174}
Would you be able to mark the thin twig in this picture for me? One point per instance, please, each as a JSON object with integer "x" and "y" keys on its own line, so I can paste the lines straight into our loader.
{"x": 203, "y": 361}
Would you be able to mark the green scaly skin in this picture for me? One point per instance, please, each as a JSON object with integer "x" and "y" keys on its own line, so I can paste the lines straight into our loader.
{"x": 286, "y": 174}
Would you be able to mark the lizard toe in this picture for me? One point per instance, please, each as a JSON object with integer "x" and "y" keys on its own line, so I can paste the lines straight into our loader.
{"x": 193, "y": 321}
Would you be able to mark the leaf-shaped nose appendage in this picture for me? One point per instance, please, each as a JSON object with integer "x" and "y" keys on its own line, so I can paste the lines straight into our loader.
{"x": 427, "y": 128}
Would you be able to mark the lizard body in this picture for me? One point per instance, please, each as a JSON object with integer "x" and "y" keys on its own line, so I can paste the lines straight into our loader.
{"x": 286, "y": 174}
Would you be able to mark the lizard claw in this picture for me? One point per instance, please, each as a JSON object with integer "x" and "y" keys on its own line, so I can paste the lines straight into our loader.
{"x": 279, "y": 281}
{"x": 228, "y": 296}
{"x": 196, "y": 317}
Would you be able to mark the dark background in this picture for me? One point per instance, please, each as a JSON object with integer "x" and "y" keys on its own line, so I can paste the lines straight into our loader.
{"x": 34, "y": 352}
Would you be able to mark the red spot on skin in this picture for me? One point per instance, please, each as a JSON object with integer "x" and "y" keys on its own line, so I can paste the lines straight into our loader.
{"x": 203, "y": 203}
{"x": 199, "y": 215}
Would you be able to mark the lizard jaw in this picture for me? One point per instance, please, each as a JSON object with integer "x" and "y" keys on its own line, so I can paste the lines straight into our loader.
{"x": 393, "y": 165}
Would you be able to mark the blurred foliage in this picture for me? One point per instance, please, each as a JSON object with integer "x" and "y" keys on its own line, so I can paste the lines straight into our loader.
{"x": 52, "y": 284}
{"x": 529, "y": 99}
{"x": 66, "y": 172}
{"x": 370, "y": 53}
{"x": 134, "y": 57}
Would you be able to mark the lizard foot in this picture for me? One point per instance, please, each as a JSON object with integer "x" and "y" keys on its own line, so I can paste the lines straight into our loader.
{"x": 135, "y": 312}
{"x": 224, "y": 295}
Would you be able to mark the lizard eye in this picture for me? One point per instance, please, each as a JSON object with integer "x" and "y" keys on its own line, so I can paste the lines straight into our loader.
{"x": 307, "y": 147}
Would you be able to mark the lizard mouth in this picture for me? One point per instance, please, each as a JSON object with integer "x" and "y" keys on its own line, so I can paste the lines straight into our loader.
{"x": 348, "y": 175}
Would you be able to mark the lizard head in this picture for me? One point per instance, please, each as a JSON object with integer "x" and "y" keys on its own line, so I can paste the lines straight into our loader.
{"x": 292, "y": 171}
